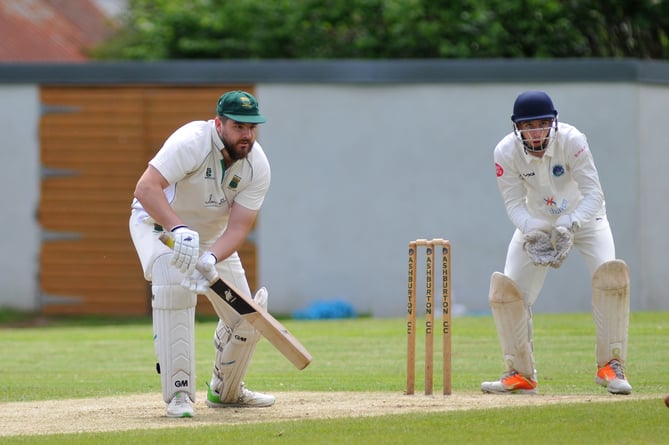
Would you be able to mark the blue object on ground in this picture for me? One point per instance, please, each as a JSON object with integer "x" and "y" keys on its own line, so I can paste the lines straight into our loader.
{"x": 319, "y": 310}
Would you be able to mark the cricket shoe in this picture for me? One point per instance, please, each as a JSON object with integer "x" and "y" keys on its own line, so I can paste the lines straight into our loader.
{"x": 511, "y": 383}
{"x": 612, "y": 376}
{"x": 180, "y": 406}
{"x": 245, "y": 399}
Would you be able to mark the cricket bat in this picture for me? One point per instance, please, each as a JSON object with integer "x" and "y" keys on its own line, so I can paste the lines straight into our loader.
{"x": 268, "y": 326}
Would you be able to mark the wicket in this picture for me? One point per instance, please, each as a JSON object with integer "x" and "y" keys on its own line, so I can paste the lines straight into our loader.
{"x": 430, "y": 247}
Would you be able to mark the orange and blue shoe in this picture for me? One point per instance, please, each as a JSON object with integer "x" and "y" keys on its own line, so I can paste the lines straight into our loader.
{"x": 511, "y": 383}
{"x": 612, "y": 376}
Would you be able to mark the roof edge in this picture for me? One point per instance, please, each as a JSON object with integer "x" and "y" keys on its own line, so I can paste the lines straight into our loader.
{"x": 194, "y": 72}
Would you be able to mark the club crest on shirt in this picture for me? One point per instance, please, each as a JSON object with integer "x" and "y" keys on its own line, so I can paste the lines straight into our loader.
{"x": 234, "y": 182}
{"x": 558, "y": 170}
{"x": 498, "y": 170}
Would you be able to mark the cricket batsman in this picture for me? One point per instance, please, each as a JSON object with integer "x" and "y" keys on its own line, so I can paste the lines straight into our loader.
{"x": 204, "y": 187}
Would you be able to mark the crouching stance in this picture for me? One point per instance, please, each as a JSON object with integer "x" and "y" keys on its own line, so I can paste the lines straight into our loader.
{"x": 205, "y": 187}
{"x": 551, "y": 190}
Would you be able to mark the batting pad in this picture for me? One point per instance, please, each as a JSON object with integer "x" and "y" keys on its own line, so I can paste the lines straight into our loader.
{"x": 234, "y": 349}
{"x": 173, "y": 329}
{"x": 611, "y": 310}
{"x": 514, "y": 324}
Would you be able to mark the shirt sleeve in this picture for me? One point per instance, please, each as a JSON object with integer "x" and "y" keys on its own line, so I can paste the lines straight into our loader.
{"x": 584, "y": 172}
{"x": 511, "y": 187}
{"x": 253, "y": 196}
{"x": 182, "y": 153}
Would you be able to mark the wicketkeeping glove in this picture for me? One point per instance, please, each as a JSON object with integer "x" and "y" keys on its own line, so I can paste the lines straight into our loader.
{"x": 549, "y": 250}
{"x": 204, "y": 274}
{"x": 538, "y": 246}
{"x": 186, "y": 248}
{"x": 562, "y": 240}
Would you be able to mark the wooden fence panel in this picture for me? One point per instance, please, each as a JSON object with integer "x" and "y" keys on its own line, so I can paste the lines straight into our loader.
{"x": 95, "y": 143}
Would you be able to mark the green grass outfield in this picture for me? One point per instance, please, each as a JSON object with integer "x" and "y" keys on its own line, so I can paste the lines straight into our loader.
{"x": 101, "y": 358}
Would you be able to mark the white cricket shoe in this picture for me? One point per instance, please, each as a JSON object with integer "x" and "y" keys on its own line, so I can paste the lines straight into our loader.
{"x": 245, "y": 399}
{"x": 180, "y": 406}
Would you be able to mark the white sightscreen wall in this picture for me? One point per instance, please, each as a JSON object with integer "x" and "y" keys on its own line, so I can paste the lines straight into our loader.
{"x": 19, "y": 262}
{"x": 359, "y": 170}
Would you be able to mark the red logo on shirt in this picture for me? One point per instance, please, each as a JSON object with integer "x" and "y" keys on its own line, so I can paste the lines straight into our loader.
{"x": 499, "y": 170}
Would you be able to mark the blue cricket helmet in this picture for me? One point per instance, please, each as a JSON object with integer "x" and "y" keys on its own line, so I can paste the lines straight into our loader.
{"x": 533, "y": 105}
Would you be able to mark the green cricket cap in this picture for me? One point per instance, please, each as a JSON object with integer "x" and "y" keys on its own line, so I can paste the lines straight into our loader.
{"x": 240, "y": 106}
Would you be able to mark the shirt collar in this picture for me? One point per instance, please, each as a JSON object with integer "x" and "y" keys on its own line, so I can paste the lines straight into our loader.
{"x": 215, "y": 138}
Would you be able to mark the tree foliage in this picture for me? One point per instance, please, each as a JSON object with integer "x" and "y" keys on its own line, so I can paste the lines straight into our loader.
{"x": 390, "y": 29}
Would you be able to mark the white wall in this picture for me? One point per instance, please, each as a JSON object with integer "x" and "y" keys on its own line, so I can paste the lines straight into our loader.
{"x": 358, "y": 171}
{"x": 19, "y": 200}
{"x": 653, "y": 238}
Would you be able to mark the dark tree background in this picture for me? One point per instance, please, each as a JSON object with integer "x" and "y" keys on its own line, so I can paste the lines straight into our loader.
{"x": 390, "y": 29}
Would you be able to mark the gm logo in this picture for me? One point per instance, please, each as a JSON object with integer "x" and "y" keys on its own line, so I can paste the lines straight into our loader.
{"x": 181, "y": 383}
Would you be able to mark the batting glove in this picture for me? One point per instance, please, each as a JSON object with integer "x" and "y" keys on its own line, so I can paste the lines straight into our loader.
{"x": 186, "y": 248}
{"x": 206, "y": 265}
{"x": 204, "y": 274}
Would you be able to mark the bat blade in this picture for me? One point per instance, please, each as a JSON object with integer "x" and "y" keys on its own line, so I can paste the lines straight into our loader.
{"x": 268, "y": 326}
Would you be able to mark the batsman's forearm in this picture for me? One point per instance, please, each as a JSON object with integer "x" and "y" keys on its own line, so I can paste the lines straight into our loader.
{"x": 239, "y": 226}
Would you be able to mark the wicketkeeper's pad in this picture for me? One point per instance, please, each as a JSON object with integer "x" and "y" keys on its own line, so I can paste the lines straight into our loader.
{"x": 514, "y": 323}
{"x": 611, "y": 310}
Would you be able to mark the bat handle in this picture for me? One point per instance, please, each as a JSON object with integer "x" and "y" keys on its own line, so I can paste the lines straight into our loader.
{"x": 167, "y": 240}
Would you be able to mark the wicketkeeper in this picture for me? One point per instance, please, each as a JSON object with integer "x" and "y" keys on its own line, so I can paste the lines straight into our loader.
{"x": 204, "y": 187}
{"x": 551, "y": 190}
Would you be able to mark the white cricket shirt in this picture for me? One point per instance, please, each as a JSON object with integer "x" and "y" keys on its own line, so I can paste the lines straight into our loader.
{"x": 202, "y": 189}
{"x": 563, "y": 181}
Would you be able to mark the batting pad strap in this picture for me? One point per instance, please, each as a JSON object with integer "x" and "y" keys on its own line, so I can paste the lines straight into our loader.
{"x": 513, "y": 322}
{"x": 610, "y": 310}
